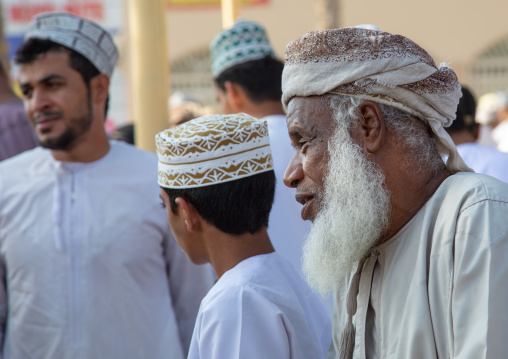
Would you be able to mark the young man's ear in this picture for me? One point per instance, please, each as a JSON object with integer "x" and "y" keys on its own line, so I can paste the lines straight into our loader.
{"x": 189, "y": 214}
{"x": 99, "y": 89}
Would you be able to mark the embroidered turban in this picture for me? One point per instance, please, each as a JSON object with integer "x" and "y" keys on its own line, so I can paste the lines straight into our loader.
{"x": 374, "y": 65}
{"x": 244, "y": 41}
{"x": 81, "y": 35}
{"x": 213, "y": 149}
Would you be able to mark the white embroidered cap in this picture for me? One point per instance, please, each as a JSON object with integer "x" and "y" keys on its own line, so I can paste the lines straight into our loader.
{"x": 244, "y": 41}
{"x": 78, "y": 34}
{"x": 213, "y": 149}
{"x": 368, "y": 63}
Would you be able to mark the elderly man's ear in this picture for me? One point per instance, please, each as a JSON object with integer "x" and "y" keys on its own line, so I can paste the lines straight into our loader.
{"x": 371, "y": 130}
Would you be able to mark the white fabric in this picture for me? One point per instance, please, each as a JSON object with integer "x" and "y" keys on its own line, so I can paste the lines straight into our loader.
{"x": 500, "y": 136}
{"x": 261, "y": 308}
{"x": 286, "y": 228}
{"x": 485, "y": 159}
{"x": 485, "y": 136}
{"x": 438, "y": 287}
{"x": 113, "y": 283}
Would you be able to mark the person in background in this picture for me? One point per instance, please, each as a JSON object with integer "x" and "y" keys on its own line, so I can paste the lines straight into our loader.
{"x": 16, "y": 134}
{"x": 492, "y": 114}
{"x": 88, "y": 264}
{"x": 412, "y": 248}
{"x": 464, "y": 132}
{"x": 247, "y": 79}
{"x": 186, "y": 111}
{"x": 181, "y": 109}
{"x": 217, "y": 183}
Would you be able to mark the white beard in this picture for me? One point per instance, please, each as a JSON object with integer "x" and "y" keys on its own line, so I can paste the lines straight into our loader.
{"x": 354, "y": 212}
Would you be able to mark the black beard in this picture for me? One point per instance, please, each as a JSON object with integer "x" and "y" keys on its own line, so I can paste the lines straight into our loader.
{"x": 67, "y": 139}
{"x": 76, "y": 128}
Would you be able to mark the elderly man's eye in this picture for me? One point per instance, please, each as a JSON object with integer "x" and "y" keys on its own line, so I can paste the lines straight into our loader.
{"x": 304, "y": 143}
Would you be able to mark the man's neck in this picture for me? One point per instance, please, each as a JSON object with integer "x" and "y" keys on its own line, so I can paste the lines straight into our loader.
{"x": 226, "y": 250}
{"x": 408, "y": 197}
{"x": 89, "y": 147}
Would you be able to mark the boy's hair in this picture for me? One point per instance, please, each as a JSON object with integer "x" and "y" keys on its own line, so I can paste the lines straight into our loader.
{"x": 261, "y": 79}
{"x": 234, "y": 207}
{"x": 32, "y": 48}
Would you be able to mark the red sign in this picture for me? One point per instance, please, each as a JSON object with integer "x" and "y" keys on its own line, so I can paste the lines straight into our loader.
{"x": 93, "y": 10}
{"x": 178, "y": 4}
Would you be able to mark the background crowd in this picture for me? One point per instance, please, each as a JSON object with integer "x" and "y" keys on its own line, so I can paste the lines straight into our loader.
{"x": 349, "y": 163}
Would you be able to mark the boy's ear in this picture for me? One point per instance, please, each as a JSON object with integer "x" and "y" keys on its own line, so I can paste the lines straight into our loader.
{"x": 189, "y": 214}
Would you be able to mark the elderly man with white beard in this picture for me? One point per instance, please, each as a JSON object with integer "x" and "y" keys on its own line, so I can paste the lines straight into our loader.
{"x": 412, "y": 247}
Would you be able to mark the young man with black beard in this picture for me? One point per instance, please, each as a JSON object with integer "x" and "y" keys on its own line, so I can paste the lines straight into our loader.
{"x": 89, "y": 267}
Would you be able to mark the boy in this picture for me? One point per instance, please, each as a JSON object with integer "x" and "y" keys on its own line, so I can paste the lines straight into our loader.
{"x": 217, "y": 183}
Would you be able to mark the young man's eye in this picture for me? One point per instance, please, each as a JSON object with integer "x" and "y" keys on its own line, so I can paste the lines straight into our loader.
{"x": 163, "y": 205}
{"x": 26, "y": 91}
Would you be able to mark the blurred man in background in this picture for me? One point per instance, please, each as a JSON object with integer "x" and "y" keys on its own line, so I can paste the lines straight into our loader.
{"x": 16, "y": 134}
{"x": 248, "y": 79}
{"x": 464, "y": 132}
{"x": 492, "y": 113}
{"x": 89, "y": 266}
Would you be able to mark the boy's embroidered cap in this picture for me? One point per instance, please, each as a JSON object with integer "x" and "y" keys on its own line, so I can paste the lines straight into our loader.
{"x": 213, "y": 149}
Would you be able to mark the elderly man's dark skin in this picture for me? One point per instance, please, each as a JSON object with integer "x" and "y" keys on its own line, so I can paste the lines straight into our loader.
{"x": 311, "y": 125}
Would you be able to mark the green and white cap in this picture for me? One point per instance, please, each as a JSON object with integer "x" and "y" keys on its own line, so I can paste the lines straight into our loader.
{"x": 244, "y": 41}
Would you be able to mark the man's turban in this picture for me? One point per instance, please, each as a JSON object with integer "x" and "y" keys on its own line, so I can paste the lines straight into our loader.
{"x": 374, "y": 65}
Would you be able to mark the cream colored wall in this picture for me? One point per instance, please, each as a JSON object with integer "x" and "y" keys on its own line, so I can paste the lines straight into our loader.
{"x": 450, "y": 30}
{"x": 284, "y": 20}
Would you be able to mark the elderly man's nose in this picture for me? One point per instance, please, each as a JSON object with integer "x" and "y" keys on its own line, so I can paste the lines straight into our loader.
{"x": 294, "y": 172}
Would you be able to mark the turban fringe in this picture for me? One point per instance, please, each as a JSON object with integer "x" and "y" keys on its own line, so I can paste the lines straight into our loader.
{"x": 377, "y": 66}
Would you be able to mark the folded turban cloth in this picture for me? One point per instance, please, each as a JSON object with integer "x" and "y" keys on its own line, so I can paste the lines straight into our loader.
{"x": 374, "y": 65}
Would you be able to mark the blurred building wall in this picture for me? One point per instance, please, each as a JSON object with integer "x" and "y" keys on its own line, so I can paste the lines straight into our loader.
{"x": 469, "y": 34}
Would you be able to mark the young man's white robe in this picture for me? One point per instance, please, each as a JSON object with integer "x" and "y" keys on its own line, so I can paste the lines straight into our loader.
{"x": 261, "y": 308}
{"x": 88, "y": 265}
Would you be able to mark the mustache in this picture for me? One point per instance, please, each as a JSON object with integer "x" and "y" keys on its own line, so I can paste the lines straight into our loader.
{"x": 43, "y": 114}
